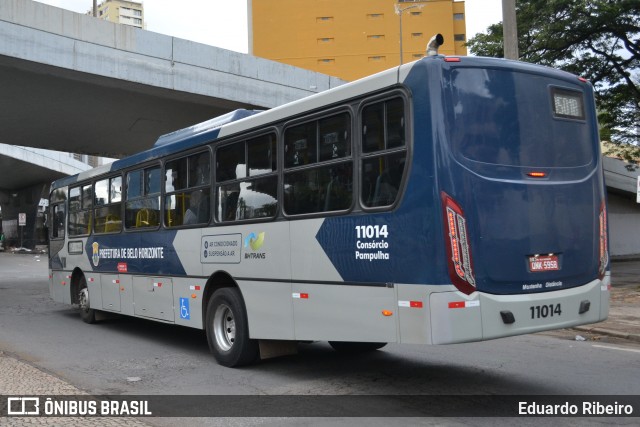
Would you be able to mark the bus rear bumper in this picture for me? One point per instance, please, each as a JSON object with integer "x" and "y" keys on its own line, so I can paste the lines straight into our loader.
{"x": 457, "y": 318}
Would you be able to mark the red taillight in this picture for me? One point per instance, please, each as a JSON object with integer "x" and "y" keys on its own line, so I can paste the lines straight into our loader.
{"x": 604, "y": 243}
{"x": 537, "y": 174}
{"x": 458, "y": 249}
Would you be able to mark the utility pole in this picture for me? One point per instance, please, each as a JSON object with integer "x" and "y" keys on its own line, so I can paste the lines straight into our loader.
{"x": 95, "y": 8}
{"x": 509, "y": 29}
{"x": 399, "y": 12}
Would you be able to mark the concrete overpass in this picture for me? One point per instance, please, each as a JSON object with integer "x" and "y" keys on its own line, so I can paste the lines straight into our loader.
{"x": 84, "y": 85}
{"x": 78, "y": 84}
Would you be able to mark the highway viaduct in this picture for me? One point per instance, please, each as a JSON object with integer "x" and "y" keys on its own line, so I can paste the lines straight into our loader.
{"x": 74, "y": 83}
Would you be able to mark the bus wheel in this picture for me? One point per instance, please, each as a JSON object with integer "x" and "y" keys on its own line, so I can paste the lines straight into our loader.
{"x": 87, "y": 314}
{"x": 228, "y": 329}
{"x": 356, "y": 347}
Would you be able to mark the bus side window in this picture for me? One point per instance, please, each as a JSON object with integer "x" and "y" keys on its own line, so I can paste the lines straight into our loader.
{"x": 300, "y": 145}
{"x": 247, "y": 189}
{"x": 384, "y": 152}
{"x": 187, "y": 190}
{"x": 80, "y": 202}
{"x": 318, "y": 166}
{"x": 142, "y": 208}
{"x": 107, "y": 216}
{"x": 320, "y": 189}
{"x": 384, "y": 190}
{"x": 373, "y": 128}
{"x": 57, "y": 221}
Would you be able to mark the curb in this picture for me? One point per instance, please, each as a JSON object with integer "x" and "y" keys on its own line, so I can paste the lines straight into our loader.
{"x": 609, "y": 332}
{"x": 625, "y": 258}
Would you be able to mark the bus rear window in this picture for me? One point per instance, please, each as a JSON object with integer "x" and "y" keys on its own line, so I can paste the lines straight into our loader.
{"x": 516, "y": 119}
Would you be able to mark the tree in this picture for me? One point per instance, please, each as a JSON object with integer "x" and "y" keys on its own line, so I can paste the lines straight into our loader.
{"x": 596, "y": 39}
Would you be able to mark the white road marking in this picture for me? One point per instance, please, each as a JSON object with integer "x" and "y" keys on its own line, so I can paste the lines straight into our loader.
{"x": 616, "y": 348}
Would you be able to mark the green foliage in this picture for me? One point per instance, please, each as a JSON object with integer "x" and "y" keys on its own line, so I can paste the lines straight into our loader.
{"x": 597, "y": 39}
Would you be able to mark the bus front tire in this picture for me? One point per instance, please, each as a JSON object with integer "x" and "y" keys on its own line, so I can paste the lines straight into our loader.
{"x": 87, "y": 314}
{"x": 356, "y": 347}
{"x": 228, "y": 329}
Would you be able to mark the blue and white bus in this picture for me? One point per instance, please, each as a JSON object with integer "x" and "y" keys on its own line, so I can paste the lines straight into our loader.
{"x": 449, "y": 200}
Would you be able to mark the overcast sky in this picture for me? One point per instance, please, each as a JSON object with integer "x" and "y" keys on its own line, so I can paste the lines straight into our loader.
{"x": 224, "y": 23}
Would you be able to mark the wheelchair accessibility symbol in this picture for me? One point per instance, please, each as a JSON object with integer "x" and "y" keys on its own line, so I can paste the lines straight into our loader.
{"x": 184, "y": 309}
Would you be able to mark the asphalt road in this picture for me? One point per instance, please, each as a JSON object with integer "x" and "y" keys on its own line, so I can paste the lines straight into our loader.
{"x": 133, "y": 356}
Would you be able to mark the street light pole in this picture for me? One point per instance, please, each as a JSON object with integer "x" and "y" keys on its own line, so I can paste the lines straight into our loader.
{"x": 399, "y": 11}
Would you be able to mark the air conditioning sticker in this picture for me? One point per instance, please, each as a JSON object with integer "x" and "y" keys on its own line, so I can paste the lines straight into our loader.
{"x": 221, "y": 249}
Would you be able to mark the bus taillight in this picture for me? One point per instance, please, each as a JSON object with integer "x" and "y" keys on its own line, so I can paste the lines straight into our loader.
{"x": 604, "y": 244}
{"x": 458, "y": 249}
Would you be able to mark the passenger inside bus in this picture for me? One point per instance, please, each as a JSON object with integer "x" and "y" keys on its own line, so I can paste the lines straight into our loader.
{"x": 191, "y": 216}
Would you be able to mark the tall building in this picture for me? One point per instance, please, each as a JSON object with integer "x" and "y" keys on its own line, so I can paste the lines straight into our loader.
{"x": 354, "y": 38}
{"x": 122, "y": 12}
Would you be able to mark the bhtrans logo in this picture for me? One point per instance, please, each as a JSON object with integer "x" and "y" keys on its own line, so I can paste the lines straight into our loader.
{"x": 254, "y": 242}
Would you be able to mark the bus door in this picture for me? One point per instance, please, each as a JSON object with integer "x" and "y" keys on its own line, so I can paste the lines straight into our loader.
{"x": 59, "y": 283}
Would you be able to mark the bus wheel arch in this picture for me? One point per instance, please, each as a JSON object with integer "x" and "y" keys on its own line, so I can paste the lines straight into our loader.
{"x": 80, "y": 295}
{"x": 226, "y": 322}
{"x": 219, "y": 279}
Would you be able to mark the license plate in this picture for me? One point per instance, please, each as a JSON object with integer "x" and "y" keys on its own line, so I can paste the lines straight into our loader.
{"x": 543, "y": 263}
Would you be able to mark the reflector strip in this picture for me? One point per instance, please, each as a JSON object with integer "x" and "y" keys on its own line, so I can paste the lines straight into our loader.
{"x": 157, "y": 284}
{"x": 604, "y": 244}
{"x": 194, "y": 288}
{"x": 68, "y": 277}
{"x": 116, "y": 281}
{"x": 605, "y": 288}
{"x": 464, "y": 304}
{"x": 411, "y": 304}
{"x": 91, "y": 279}
{"x": 300, "y": 296}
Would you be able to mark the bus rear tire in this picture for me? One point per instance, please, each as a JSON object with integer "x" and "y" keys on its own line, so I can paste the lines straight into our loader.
{"x": 228, "y": 329}
{"x": 87, "y": 314}
{"x": 356, "y": 347}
